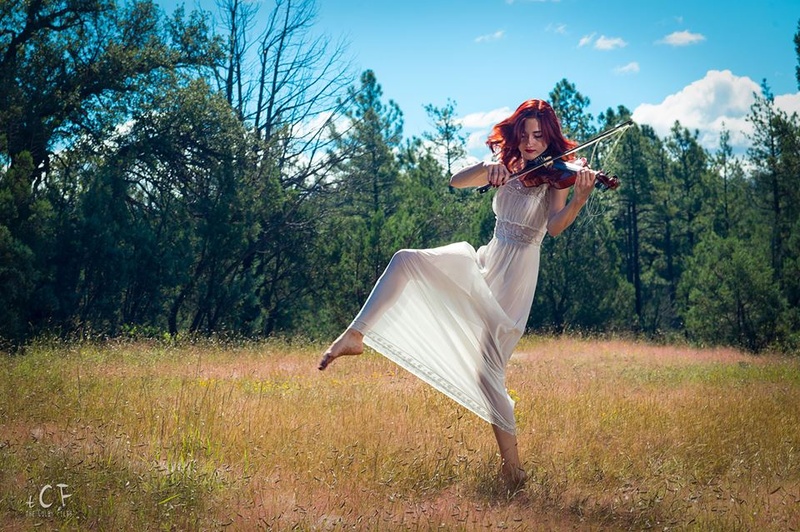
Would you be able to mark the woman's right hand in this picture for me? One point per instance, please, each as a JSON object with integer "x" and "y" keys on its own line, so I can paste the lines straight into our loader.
{"x": 480, "y": 174}
{"x": 497, "y": 174}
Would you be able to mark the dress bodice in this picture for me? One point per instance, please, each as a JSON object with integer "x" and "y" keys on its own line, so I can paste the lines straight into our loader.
{"x": 521, "y": 213}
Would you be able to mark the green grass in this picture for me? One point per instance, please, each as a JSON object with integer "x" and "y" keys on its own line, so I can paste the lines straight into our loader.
{"x": 615, "y": 435}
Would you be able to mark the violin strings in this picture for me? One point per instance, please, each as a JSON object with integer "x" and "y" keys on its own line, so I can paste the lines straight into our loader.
{"x": 591, "y": 210}
{"x": 614, "y": 147}
{"x": 591, "y": 156}
{"x": 594, "y": 205}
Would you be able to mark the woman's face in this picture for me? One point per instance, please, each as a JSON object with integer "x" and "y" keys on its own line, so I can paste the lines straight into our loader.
{"x": 531, "y": 142}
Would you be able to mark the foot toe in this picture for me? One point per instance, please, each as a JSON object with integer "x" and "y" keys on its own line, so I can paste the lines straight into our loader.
{"x": 326, "y": 359}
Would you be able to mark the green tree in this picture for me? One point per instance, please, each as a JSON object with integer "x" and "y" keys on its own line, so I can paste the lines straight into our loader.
{"x": 681, "y": 210}
{"x": 63, "y": 64}
{"x": 285, "y": 82}
{"x": 774, "y": 154}
{"x": 730, "y": 215}
{"x": 656, "y": 235}
{"x": 775, "y": 157}
{"x": 571, "y": 107}
{"x": 797, "y": 51}
{"x": 732, "y": 298}
{"x": 368, "y": 179}
{"x": 71, "y": 72}
{"x": 693, "y": 189}
{"x": 162, "y": 222}
{"x": 18, "y": 266}
{"x": 421, "y": 219}
{"x": 376, "y": 129}
{"x": 447, "y": 139}
{"x": 431, "y": 212}
{"x": 628, "y": 158}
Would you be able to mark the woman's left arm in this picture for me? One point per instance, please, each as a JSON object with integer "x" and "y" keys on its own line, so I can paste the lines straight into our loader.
{"x": 562, "y": 214}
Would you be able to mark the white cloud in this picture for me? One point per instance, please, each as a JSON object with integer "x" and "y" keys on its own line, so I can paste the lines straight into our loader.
{"x": 609, "y": 43}
{"x": 317, "y": 123}
{"x": 585, "y": 40}
{"x": 630, "y": 68}
{"x": 496, "y": 36}
{"x": 476, "y": 142}
{"x": 720, "y": 99}
{"x": 790, "y": 103}
{"x": 477, "y": 126}
{"x": 682, "y": 38}
{"x": 559, "y": 28}
{"x": 484, "y": 120}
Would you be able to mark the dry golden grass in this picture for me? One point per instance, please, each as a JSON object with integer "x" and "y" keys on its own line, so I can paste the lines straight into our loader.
{"x": 614, "y": 434}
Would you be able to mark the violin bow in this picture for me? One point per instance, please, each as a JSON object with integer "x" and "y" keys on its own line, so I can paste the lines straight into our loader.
{"x": 619, "y": 128}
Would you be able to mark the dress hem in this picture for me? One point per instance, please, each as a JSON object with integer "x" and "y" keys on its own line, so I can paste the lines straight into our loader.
{"x": 396, "y": 355}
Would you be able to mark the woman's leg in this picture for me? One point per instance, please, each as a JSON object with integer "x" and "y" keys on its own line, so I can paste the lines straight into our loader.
{"x": 350, "y": 342}
{"x": 384, "y": 294}
{"x": 491, "y": 381}
{"x": 511, "y": 471}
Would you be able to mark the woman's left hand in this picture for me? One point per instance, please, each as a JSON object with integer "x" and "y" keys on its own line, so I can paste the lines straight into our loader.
{"x": 584, "y": 183}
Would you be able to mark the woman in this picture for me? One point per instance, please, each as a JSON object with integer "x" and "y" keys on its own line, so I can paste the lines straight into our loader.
{"x": 453, "y": 315}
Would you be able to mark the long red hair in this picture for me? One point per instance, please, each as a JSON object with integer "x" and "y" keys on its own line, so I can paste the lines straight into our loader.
{"x": 505, "y": 136}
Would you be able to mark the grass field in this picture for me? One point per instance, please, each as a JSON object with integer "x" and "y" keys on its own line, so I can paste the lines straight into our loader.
{"x": 615, "y": 435}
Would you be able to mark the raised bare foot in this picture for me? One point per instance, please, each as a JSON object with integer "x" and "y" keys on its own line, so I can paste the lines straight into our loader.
{"x": 350, "y": 342}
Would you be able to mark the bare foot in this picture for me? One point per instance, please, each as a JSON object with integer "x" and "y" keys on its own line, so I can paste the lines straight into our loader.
{"x": 350, "y": 342}
{"x": 513, "y": 476}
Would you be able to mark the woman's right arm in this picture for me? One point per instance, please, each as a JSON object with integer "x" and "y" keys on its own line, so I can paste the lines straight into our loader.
{"x": 480, "y": 174}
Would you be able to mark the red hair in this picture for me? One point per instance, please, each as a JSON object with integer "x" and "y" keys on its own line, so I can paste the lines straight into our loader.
{"x": 505, "y": 137}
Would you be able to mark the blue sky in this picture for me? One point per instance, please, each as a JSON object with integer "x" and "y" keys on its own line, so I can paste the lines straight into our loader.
{"x": 692, "y": 60}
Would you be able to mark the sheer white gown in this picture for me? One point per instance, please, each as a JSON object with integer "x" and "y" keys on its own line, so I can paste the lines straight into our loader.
{"x": 452, "y": 315}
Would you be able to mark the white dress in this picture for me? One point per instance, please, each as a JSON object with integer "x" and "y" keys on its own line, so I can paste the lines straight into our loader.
{"x": 452, "y": 316}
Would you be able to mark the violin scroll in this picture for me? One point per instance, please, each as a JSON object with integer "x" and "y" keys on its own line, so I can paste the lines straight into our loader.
{"x": 605, "y": 182}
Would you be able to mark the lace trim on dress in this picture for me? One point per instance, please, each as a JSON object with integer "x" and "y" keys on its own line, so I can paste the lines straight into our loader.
{"x": 517, "y": 233}
{"x": 484, "y": 411}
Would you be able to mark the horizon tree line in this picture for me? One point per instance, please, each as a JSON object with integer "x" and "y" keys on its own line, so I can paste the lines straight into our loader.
{"x": 160, "y": 176}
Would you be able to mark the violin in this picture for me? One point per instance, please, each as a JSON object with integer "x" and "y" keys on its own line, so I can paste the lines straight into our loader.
{"x": 561, "y": 174}
{"x": 557, "y": 173}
